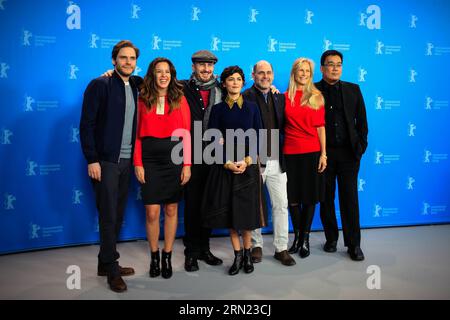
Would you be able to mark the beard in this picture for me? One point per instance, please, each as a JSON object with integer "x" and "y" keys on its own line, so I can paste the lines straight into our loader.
{"x": 124, "y": 73}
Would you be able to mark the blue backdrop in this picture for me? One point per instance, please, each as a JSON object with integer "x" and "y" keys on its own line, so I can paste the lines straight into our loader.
{"x": 397, "y": 51}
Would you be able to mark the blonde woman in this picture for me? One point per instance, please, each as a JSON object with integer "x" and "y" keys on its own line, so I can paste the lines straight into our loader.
{"x": 304, "y": 150}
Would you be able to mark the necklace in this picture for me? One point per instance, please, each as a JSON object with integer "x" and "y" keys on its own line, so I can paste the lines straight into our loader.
{"x": 160, "y": 106}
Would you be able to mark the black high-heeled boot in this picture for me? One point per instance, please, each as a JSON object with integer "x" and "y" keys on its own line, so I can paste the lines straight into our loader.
{"x": 237, "y": 263}
{"x": 296, "y": 243}
{"x": 166, "y": 264}
{"x": 154, "y": 265}
{"x": 304, "y": 245}
{"x": 248, "y": 263}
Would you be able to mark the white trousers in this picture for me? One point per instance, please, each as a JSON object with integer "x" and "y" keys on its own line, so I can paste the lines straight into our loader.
{"x": 276, "y": 183}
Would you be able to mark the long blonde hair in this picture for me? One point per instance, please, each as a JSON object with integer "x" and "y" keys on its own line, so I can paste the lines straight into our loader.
{"x": 311, "y": 97}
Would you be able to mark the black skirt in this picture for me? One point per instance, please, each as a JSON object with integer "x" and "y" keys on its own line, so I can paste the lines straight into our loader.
{"x": 162, "y": 177}
{"x": 304, "y": 183}
{"x": 234, "y": 201}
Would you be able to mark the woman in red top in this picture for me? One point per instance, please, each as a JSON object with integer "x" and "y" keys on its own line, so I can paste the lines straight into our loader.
{"x": 163, "y": 116}
{"x": 304, "y": 150}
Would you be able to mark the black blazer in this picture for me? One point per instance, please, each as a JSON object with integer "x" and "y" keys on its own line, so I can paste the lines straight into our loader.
{"x": 279, "y": 104}
{"x": 355, "y": 116}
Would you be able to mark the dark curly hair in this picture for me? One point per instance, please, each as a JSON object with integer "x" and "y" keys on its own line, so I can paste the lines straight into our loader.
{"x": 149, "y": 90}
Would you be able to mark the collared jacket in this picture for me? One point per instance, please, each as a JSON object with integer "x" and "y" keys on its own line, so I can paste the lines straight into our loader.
{"x": 103, "y": 116}
{"x": 355, "y": 116}
{"x": 279, "y": 105}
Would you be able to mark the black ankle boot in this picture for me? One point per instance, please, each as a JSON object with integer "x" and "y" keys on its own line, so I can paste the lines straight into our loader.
{"x": 237, "y": 263}
{"x": 166, "y": 264}
{"x": 304, "y": 245}
{"x": 248, "y": 264}
{"x": 154, "y": 265}
{"x": 296, "y": 243}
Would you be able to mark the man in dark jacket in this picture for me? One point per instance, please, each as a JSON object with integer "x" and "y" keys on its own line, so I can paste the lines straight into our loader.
{"x": 202, "y": 91}
{"x": 107, "y": 133}
{"x": 346, "y": 132}
{"x": 271, "y": 107}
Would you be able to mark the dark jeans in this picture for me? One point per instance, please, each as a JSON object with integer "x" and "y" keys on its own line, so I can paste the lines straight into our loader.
{"x": 111, "y": 199}
{"x": 342, "y": 166}
{"x": 196, "y": 237}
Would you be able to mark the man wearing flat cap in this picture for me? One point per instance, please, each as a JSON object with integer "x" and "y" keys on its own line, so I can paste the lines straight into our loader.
{"x": 202, "y": 91}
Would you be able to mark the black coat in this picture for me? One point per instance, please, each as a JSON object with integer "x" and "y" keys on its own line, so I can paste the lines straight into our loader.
{"x": 355, "y": 116}
{"x": 279, "y": 105}
{"x": 103, "y": 116}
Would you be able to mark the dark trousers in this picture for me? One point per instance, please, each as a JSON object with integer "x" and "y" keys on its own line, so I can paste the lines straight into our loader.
{"x": 196, "y": 237}
{"x": 343, "y": 166}
{"x": 111, "y": 199}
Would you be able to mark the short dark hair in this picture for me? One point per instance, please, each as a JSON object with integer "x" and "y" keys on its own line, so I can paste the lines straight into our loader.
{"x": 123, "y": 44}
{"x": 330, "y": 53}
{"x": 228, "y": 71}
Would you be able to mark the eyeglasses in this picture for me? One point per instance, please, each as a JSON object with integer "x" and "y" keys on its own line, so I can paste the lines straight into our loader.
{"x": 332, "y": 65}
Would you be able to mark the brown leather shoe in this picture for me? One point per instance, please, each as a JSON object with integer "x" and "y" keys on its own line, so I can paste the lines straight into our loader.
{"x": 256, "y": 254}
{"x": 124, "y": 271}
{"x": 285, "y": 258}
{"x": 117, "y": 284}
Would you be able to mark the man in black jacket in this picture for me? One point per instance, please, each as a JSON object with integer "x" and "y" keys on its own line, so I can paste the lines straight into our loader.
{"x": 201, "y": 91}
{"x": 107, "y": 133}
{"x": 346, "y": 132}
{"x": 271, "y": 107}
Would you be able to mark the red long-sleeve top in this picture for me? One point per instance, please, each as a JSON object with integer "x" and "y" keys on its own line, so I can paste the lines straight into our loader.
{"x": 301, "y": 126}
{"x": 151, "y": 124}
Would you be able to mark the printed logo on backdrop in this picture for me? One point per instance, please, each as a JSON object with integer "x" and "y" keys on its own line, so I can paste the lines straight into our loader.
{"x": 412, "y": 75}
{"x": 328, "y": 44}
{"x": 225, "y": 45}
{"x": 371, "y": 18}
{"x": 411, "y": 129}
{"x": 3, "y": 68}
{"x": 134, "y": 11}
{"x": 362, "y": 74}
{"x": 39, "y": 40}
{"x": 381, "y": 48}
{"x": 76, "y": 196}
{"x": 431, "y": 104}
{"x": 137, "y": 70}
{"x": 8, "y": 202}
{"x": 41, "y": 105}
{"x": 274, "y": 45}
{"x": 430, "y": 157}
{"x": 381, "y": 104}
{"x": 412, "y": 21}
{"x": 5, "y": 136}
{"x": 410, "y": 183}
{"x": 380, "y": 211}
{"x": 194, "y": 13}
{"x": 428, "y": 209}
{"x": 33, "y": 169}
{"x": 431, "y": 50}
{"x": 382, "y": 159}
{"x": 105, "y": 43}
{"x": 36, "y": 231}
{"x": 74, "y": 19}
{"x": 252, "y": 15}
{"x": 2, "y": 7}
{"x": 74, "y": 136}
{"x": 73, "y": 69}
{"x": 361, "y": 184}
{"x": 308, "y": 16}
{"x": 166, "y": 44}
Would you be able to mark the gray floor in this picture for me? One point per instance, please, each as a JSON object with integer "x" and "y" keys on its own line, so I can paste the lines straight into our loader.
{"x": 414, "y": 264}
